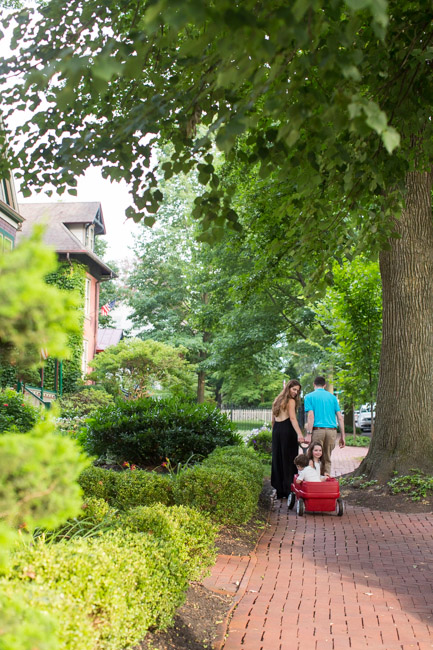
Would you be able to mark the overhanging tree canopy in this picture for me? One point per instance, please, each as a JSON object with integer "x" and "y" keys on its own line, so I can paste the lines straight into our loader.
{"x": 324, "y": 93}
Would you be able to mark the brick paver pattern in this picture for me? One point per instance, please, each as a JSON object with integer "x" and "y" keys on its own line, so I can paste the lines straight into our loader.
{"x": 364, "y": 580}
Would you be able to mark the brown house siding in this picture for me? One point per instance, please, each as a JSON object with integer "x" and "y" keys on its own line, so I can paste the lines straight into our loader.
{"x": 7, "y": 227}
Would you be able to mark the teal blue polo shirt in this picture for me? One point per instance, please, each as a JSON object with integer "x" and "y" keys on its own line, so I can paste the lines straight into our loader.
{"x": 324, "y": 405}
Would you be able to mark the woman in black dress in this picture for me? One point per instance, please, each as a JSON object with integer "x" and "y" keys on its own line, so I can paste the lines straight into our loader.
{"x": 286, "y": 436}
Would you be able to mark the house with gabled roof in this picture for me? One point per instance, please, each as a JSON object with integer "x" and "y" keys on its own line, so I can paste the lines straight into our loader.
{"x": 71, "y": 229}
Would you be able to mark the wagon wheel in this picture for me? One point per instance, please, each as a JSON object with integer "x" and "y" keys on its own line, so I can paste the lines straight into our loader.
{"x": 291, "y": 500}
{"x": 300, "y": 507}
{"x": 340, "y": 507}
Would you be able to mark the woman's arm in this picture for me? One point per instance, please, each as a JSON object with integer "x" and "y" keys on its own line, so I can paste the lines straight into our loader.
{"x": 294, "y": 420}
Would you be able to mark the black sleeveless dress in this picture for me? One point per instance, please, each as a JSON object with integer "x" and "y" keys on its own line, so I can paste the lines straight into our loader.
{"x": 285, "y": 448}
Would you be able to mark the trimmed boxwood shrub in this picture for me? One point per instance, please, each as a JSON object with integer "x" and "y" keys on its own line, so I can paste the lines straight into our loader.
{"x": 99, "y": 483}
{"x": 119, "y": 585}
{"x": 146, "y": 431}
{"x": 190, "y": 531}
{"x": 139, "y": 488}
{"x": 228, "y": 497}
{"x": 127, "y": 489}
{"x": 238, "y": 459}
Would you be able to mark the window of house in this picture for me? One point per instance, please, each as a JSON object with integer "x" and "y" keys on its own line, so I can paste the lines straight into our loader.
{"x": 5, "y": 192}
{"x": 90, "y": 238}
{"x": 84, "y": 358}
{"x": 6, "y": 242}
{"x": 87, "y": 297}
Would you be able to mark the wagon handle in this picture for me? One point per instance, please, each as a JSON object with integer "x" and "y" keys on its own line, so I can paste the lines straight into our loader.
{"x": 303, "y": 447}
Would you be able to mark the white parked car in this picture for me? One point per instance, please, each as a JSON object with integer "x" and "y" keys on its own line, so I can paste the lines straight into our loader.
{"x": 364, "y": 417}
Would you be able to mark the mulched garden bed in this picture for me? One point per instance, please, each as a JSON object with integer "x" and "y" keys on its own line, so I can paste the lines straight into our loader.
{"x": 379, "y": 497}
{"x": 195, "y": 624}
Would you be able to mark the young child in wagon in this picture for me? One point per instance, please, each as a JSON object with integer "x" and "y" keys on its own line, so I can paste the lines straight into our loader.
{"x": 310, "y": 466}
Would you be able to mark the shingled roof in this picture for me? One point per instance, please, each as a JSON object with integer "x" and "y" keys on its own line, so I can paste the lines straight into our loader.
{"x": 56, "y": 217}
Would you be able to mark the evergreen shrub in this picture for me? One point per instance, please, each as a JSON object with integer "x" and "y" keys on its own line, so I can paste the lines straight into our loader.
{"x": 99, "y": 483}
{"x": 16, "y": 415}
{"x": 120, "y": 584}
{"x": 238, "y": 459}
{"x": 227, "y": 485}
{"x": 140, "y": 488}
{"x": 146, "y": 431}
{"x": 189, "y": 530}
{"x": 127, "y": 489}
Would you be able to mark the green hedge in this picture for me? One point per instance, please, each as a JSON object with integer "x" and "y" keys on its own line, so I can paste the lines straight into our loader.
{"x": 227, "y": 485}
{"x": 127, "y": 489}
{"x": 104, "y": 592}
{"x": 146, "y": 431}
{"x": 190, "y": 531}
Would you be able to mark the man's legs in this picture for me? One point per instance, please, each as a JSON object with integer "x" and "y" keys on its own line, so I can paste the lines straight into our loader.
{"x": 327, "y": 438}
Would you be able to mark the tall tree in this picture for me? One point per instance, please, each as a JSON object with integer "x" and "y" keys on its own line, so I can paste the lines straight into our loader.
{"x": 326, "y": 92}
{"x": 352, "y": 310}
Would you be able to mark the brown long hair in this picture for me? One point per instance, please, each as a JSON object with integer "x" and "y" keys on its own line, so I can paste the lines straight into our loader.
{"x": 281, "y": 402}
{"x": 310, "y": 455}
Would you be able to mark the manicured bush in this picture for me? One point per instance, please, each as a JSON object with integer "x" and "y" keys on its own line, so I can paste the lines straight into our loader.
{"x": 228, "y": 496}
{"x": 191, "y": 532}
{"x": 141, "y": 488}
{"x": 98, "y": 511}
{"x": 238, "y": 459}
{"x": 127, "y": 489}
{"x": 99, "y": 483}
{"x": 146, "y": 431}
{"x": 16, "y": 415}
{"x": 120, "y": 584}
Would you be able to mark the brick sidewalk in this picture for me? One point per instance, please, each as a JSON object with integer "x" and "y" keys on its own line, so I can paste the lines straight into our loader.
{"x": 364, "y": 580}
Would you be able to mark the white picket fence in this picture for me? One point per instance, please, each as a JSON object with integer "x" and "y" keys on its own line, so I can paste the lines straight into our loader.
{"x": 256, "y": 416}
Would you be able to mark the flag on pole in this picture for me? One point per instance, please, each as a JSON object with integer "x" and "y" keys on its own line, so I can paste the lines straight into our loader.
{"x": 107, "y": 307}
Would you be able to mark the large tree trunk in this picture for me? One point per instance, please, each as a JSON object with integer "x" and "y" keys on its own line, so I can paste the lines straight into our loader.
{"x": 403, "y": 435}
{"x": 201, "y": 381}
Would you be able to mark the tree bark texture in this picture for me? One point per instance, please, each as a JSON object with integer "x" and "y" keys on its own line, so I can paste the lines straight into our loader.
{"x": 403, "y": 435}
{"x": 201, "y": 380}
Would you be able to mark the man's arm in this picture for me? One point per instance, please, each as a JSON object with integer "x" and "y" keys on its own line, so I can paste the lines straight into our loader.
{"x": 342, "y": 441}
{"x": 309, "y": 426}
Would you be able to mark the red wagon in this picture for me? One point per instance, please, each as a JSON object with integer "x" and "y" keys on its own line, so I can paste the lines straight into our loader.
{"x": 316, "y": 497}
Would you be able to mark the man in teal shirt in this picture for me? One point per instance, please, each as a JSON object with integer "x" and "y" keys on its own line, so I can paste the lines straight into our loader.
{"x": 323, "y": 410}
